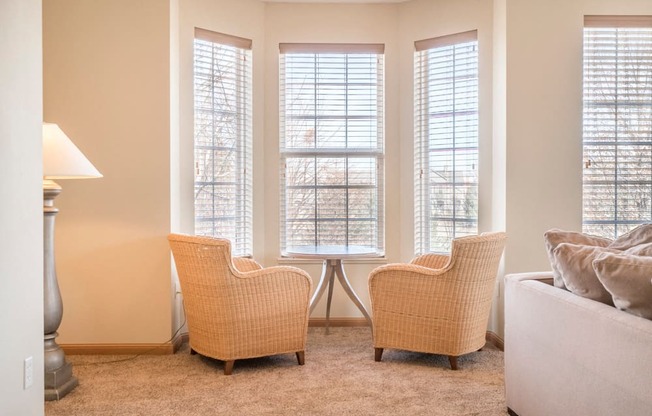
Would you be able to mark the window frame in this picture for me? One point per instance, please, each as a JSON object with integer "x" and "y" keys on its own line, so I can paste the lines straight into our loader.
{"x": 425, "y": 141}
{"x": 229, "y": 141}
{"x": 346, "y": 153}
{"x": 602, "y": 211}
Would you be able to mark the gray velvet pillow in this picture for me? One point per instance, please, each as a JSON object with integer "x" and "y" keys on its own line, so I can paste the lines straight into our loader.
{"x": 554, "y": 237}
{"x": 575, "y": 263}
{"x": 627, "y": 278}
{"x": 639, "y": 235}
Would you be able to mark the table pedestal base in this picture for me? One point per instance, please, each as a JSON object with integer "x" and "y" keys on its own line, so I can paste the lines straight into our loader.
{"x": 332, "y": 268}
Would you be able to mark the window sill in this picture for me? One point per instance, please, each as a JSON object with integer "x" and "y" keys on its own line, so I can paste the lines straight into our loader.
{"x": 368, "y": 260}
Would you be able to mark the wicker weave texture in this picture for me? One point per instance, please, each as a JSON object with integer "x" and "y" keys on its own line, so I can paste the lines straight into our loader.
{"x": 239, "y": 312}
{"x": 437, "y": 304}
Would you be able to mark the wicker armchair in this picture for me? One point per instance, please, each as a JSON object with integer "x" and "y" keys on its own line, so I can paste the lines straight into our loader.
{"x": 235, "y": 309}
{"x": 437, "y": 304}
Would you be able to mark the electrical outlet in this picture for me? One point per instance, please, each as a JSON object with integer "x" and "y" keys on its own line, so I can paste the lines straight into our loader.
{"x": 28, "y": 370}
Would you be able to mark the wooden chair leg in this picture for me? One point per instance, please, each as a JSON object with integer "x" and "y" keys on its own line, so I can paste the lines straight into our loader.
{"x": 378, "y": 354}
{"x": 301, "y": 357}
{"x": 228, "y": 367}
{"x": 453, "y": 360}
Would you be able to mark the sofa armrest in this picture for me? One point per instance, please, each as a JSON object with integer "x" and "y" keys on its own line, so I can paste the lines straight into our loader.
{"x": 565, "y": 354}
{"x": 545, "y": 277}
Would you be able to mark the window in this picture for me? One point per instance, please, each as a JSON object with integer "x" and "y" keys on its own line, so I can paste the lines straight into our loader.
{"x": 222, "y": 95}
{"x": 617, "y": 126}
{"x": 331, "y": 145}
{"x": 446, "y": 140}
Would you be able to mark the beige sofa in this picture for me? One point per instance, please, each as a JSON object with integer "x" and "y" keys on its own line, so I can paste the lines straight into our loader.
{"x": 567, "y": 355}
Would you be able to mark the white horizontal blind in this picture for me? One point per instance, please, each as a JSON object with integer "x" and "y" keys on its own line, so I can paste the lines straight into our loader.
{"x": 223, "y": 139}
{"x": 617, "y": 124}
{"x": 446, "y": 140}
{"x": 331, "y": 143}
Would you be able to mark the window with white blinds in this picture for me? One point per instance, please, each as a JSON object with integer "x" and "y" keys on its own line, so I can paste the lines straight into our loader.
{"x": 223, "y": 138}
{"x": 446, "y": 140}
{"x": 331, "y": 145}
{"x": 617, "y": 124}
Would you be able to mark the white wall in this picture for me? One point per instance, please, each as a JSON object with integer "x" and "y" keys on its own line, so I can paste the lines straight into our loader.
{"x": 543, "y": 119}
{"x": 530, "y": 100}
{"x": 499, "y": 159}
{"x": 107, "y": 84}
{"x": 424, "y": 19}
{"x": 21, "y": 215}
{"x": 333, "y": 23}
{"x": 243, "y": 18}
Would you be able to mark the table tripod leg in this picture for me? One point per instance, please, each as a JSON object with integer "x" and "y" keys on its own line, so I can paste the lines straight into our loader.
{"x": 331, "y": 283}
{"x": 341, "y": 276}
{"x": 321, "y": 286}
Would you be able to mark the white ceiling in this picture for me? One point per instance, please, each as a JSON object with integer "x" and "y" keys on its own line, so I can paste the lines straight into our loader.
{"x": 335, "y": 1}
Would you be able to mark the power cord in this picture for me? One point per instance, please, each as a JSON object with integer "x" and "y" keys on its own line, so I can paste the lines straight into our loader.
{"x": 146, "y": 351}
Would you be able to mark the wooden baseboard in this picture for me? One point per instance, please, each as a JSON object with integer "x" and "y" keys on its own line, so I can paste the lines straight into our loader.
{"x": 175, "y": 344}
{"x": 169, "y": 347}
{"x": 493, "y": 338}
{"x": 349, "y": 322}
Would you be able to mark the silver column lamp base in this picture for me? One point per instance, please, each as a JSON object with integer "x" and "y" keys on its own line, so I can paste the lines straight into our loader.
{"x": 59, "y": 379}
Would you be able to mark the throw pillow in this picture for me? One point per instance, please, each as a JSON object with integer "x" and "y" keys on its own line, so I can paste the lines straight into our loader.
{"x": 639, "y": 235}
{"x": 639, "y": 250}
{"x": 554, "y": 237}
{"x": 627, "y": 277}
{"x": 575, "y": 263}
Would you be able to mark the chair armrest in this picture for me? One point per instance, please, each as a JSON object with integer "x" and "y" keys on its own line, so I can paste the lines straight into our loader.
{"x": 244, "y": 264}
{"x": 288, "y": 284}
{"x": 411, "y": 289}
{"x": 433, "y": 261}
{"x": 402, "y": 273}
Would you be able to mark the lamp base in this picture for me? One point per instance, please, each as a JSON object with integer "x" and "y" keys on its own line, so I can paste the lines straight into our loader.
{"x": 59, "y": 382}
{"x": 59, "y": 379}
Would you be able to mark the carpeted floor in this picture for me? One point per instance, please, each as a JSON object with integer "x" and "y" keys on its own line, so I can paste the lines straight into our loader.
{"x": 340, "y": 378}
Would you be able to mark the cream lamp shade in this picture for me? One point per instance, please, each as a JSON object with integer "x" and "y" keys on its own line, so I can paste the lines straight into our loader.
{"x": 62, "y": 159}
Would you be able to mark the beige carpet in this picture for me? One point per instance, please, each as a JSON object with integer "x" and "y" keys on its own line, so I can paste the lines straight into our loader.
{"x": 340, "y": 378}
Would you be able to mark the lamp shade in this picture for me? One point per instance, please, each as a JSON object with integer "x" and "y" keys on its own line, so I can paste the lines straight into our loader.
{"x": 61, "y": 158}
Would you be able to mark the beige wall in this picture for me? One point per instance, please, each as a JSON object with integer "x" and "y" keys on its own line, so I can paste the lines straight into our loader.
{"x": 107, "y": 85}
{"x": 21, "y": 215}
